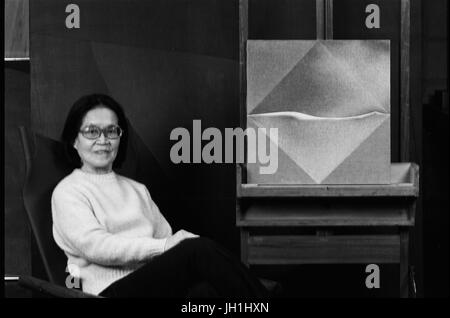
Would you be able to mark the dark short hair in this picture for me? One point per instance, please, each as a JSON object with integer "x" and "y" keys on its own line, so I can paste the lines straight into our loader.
{"x": 75, "y": 118}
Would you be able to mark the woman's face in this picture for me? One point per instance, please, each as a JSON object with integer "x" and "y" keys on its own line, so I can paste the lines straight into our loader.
{"x": 97, "y": 155}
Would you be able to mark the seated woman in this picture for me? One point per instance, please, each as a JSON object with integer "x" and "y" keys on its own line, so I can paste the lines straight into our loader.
{"x": 114, "y": 234}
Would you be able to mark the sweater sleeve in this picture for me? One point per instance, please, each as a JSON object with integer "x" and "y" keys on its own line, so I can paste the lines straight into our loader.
{"x": 164, "y": 229}
{"x": 77, "y": 231}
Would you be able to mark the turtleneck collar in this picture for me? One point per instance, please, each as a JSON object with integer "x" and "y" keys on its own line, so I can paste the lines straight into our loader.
{"x": 96, "y": 177}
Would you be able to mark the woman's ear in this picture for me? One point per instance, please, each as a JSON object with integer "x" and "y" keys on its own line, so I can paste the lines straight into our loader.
{"x": 75, "y": 143}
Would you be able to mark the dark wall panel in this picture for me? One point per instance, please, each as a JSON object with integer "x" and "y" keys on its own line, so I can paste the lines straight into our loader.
{"x": 17, "y": 231}
{"x": 281, "y": 19}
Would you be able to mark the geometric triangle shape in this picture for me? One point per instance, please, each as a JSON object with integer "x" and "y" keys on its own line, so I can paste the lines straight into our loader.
{"x": 321, "y": 85}
{"x": 361, "y": 166}
{"x": 288, "y": 172}
{"x": 267, "y": 63}
{"x": 319, "y": 145}
{"x": 370, "y": 62}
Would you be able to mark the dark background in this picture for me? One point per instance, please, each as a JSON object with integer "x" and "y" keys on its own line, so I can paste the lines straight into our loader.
{"x": 169, "y": 62}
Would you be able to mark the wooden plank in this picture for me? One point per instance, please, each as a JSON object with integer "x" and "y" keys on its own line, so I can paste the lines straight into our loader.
{"x": 283, "y": 214}
{"x": 244, "y": 246}
{"x": 16, "y": 30}
{"x": 258, "y": 190}
{"x": 238, "y": 179}
{"x": 329, "y": 19}
{"x": 238, "y": 209}
{"x": 243, "y": 37}
{"x": 320, "y": 19}
{"x": 406, "y": 174}
{"x": 336, "y": 249}
{"x": 405, "y": 111}
{"x": 404, "y": 263}
{"x": 417, "y": 257}
{"x": 414, "y": 175}
{"x": 322, "y": 221}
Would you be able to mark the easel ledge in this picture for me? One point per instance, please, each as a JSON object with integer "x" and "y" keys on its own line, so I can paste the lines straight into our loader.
{"x": 404, "y": 183}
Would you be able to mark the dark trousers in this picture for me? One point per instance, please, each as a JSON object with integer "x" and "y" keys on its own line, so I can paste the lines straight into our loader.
{"x": 193, "y": 261}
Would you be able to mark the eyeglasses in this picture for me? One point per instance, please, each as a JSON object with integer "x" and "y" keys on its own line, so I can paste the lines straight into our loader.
{"x": 94, "y": 132}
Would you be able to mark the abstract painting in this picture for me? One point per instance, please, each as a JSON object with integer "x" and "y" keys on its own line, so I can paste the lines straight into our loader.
{"x": 330, "y": 101}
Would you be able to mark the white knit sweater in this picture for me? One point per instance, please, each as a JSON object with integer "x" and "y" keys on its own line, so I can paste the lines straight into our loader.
{"x": 107, "y": 225}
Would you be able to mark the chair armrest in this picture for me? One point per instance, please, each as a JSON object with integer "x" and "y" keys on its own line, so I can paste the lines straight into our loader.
{"x": 51, "y": 289}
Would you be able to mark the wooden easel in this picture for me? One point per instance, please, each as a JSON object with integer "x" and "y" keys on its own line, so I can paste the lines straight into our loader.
{"x": 384, "y": 213}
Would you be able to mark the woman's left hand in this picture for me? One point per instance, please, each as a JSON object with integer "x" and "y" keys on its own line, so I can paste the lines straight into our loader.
{"x": 177, "y": 238}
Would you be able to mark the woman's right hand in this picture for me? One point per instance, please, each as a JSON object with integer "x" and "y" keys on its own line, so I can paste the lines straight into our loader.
{"x": 177, "y": 238}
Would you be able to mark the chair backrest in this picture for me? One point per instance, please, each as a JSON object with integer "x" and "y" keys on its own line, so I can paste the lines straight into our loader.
{"x": 46, "y": 165}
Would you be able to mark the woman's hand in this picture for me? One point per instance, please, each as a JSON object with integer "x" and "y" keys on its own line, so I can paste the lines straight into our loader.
{"x": 177, "y": 238}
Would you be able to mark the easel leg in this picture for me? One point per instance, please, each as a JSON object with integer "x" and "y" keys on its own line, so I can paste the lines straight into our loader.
{"x": 404, "y": 263}
{"x": 244, "y": 246}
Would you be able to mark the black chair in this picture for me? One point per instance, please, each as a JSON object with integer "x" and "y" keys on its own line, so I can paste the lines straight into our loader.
{"x": 45, "y": 167}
